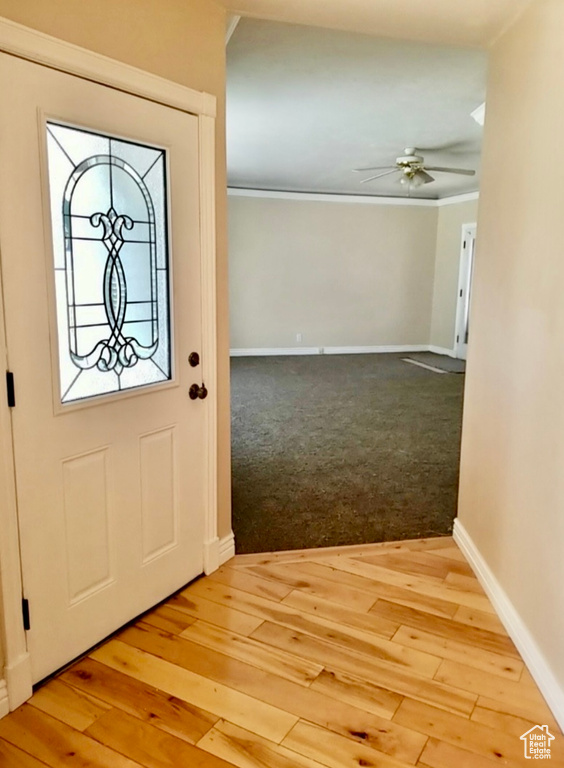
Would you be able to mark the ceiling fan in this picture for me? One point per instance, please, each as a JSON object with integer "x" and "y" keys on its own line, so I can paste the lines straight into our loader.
{"x": 413, "y": 170}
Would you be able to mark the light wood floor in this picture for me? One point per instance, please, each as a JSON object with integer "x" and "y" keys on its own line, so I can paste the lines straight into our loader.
{"x": 385, "y": 655}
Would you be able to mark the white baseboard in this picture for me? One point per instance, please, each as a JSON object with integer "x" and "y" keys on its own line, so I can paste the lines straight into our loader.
{"x": 514, "y": 624}
{"x": 373, "y": 350}
{"x": 267, "y": 351}
{"x": 226, "y": 548}
{"x": 442, "y": 350}
{"x": 4, "y": 703}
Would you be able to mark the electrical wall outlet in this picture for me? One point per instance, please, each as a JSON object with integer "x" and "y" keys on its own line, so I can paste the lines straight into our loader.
{"x": 299, "y": 338}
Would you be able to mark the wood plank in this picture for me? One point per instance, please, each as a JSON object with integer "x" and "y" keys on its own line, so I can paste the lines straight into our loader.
{"x": 316, "y": 606}
{"x": 248, "y": 582}
{"x": 337, "y": 752}
{"x": 353, "y": 550}
{"x": 321, "y": 570}
{"x": 296, "y": 576}
{"x": 480, "y": 619}
{"x": 418, "y": 584}
{"x": 146, "y": 702}
{"x": 496, "y": 693}
{"x": 75, "y": 708}
{"x": 221, "y": 615}
{"x": 267, "y": 689}
{"x": 451, "y": 553}
{"x": 14, "y": 757}
{"x": 484, "y": 684}
{"x": 438, "y": 754}
{"x": 348, "y": 637}
{"x": 469, "y": 583}
{"x": 501, "y": 721}
{"x": 247, "y": 750}
{"x": 393, "y": 679}
{"x": 358, "y": 692}
{"x": 56, "y": 744}
{"x": 246, "y": 649}
{"x": 149, "y": 746}
{"x": 399, "y": 595}
{"x": 266, "y": 720}
{"x": 447, "y": 628}
{"x": 169, "y": 619}
{"x": 495, "y": 663}
{"x": 420, "y": 564}
{"x": 528, "y": 679}
{"x": 412, "y": 599}
{"x": 473, "y": 737}
{"x": 539, "y": 713}
{"x": 505, "y": 741}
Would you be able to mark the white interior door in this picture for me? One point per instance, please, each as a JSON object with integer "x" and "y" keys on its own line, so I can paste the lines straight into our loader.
{"x": 99, "y": 234}
{"x": 468, "y": 247}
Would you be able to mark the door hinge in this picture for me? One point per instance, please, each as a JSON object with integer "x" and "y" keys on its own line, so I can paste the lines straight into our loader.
{"x": 10, "y": 389}
{"x": 461, "y": 293}
{"x": 25, "y": 613}
{"x": 465, "y": 243}
{"x": 457, "y": 339}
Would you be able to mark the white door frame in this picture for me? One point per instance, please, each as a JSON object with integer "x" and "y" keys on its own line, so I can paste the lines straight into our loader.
{"x": 468, "y": 232}
{"x": 34, "y": 46}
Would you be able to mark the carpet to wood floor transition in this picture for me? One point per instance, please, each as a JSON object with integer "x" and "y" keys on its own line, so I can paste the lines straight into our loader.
{"x": 342, "y": 449}
{"x": 382, "y": 656}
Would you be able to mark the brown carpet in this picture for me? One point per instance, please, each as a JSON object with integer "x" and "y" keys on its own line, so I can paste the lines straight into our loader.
{"x": 342, "y": 449}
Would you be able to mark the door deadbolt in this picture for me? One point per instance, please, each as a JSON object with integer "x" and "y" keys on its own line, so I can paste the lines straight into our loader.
{"x": 194, "y": 359}
{"x": 196, "y": 391}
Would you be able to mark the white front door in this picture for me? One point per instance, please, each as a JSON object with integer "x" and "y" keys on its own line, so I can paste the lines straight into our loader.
{"x": 99, "y": 235}
{"x": 468, "y": 247}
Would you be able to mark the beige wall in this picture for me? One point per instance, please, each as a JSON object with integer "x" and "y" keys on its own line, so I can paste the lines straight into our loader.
{"x": 447, "y": 264}
{"x": 184, "y": 41}
{"x": 342, "y": 274}
{"x": 512, "y": 473}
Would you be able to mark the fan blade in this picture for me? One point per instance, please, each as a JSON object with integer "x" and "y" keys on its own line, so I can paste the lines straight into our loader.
{"x": 425, "y": 177}
{"x": 379, "y": 175}
{"x": 453, "y": 147}
{"x": 375, "y": 168}
{"x": 461, "y": 171}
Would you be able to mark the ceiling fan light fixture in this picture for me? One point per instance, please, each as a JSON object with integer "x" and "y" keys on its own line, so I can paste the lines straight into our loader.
{"x": 411, "y": 178}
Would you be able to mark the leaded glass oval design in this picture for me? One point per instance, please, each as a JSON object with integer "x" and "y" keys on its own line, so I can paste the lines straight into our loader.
{"x": 109, "y": 224}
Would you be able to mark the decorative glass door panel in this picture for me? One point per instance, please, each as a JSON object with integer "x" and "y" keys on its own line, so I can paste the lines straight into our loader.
{"x": 110, "y": 249}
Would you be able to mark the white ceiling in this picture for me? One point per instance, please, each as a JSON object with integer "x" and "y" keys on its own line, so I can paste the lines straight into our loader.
{"x": 451, "y": 22}
{"x": 306, "y": 105}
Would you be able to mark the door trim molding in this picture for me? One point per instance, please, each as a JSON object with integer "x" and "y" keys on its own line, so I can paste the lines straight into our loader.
{"x": 16, "y": 674}
{"x": 469, "y": 230}
{"x": 58, "y": 54}
{"x": 49, "y": 51}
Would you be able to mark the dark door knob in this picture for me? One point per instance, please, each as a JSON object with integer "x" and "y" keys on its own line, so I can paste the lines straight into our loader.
{"x": 194, "y": 359}
{"x": 196, "y": 391}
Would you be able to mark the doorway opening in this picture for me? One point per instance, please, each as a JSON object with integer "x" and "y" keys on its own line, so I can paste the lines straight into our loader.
{"x": 337, "y": 276}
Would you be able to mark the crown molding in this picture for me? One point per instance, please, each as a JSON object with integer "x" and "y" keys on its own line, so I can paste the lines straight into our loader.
{"x": 456, "y": 199}
{"x": 351, "y": 199}
{"x": 232, "y": 21}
